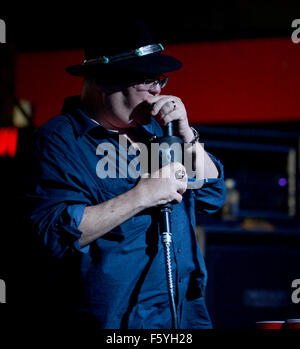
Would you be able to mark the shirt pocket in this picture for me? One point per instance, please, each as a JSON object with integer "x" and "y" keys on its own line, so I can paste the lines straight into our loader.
{"x": 112, "y": 187}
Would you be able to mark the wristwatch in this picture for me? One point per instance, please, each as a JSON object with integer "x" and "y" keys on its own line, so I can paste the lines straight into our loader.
{"x": 196, "y": 136}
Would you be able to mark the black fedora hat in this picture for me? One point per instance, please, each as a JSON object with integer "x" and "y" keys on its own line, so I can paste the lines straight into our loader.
{"x": 128, "y": 48}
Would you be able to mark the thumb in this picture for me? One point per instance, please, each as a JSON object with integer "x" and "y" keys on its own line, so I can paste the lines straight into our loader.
{"x": 152, "y": 99}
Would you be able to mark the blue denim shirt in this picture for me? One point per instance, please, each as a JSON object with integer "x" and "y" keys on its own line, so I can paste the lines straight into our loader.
{"x": 119, "y": 279}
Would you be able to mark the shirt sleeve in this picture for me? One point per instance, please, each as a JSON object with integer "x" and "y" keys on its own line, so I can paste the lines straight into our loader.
{"x": 56, "y": 196}
{"x": 211, "y": 196}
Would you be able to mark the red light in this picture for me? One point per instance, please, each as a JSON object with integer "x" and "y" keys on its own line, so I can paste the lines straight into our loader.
{"x": 8, "y": 141}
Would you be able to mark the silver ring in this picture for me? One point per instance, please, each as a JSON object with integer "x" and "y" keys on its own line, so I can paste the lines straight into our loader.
{"x": 179, "y": 174}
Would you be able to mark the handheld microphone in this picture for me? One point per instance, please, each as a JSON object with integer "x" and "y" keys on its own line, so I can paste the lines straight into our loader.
{"x": 170, "y": 150}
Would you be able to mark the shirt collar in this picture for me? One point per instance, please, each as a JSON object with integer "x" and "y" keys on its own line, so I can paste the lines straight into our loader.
{"x": 152, "y": 129}
{"x": 80, "y": 120}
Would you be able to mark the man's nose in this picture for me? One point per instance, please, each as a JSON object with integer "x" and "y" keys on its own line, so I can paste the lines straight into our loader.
{"x": 155, "y": 89}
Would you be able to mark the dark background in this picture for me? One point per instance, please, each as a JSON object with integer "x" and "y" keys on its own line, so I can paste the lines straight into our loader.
{"x": 250, "y": 270}
{"x": 49, "y": 26}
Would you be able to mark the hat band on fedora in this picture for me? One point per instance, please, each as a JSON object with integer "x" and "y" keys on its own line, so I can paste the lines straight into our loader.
{"x": 139, "y": 52}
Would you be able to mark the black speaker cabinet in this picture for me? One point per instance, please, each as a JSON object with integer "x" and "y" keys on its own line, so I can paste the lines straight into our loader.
{"x": 250, "y": 277}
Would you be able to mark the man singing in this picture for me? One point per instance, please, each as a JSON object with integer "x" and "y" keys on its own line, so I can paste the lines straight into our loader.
{"x": 106, "y": 257}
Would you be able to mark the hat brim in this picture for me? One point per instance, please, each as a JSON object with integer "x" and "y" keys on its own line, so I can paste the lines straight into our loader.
{"x": 156, "y": 64}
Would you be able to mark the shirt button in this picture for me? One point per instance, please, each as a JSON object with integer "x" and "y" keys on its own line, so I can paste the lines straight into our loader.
{"x": 178, "y": 250}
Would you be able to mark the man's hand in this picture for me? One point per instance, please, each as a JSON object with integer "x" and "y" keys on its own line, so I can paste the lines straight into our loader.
{"x": 171, "y": 108}
{"x": 162, "y": 186}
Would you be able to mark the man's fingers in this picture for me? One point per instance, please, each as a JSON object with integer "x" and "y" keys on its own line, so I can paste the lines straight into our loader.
{"x": 160, "y": 103}
{"x": 182, "y": 187}
{"x": 178, "y": 166}
{"x": 177, "y": 198}
{"x": 167, "y": 107}
{"x": 163, "y": 119}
